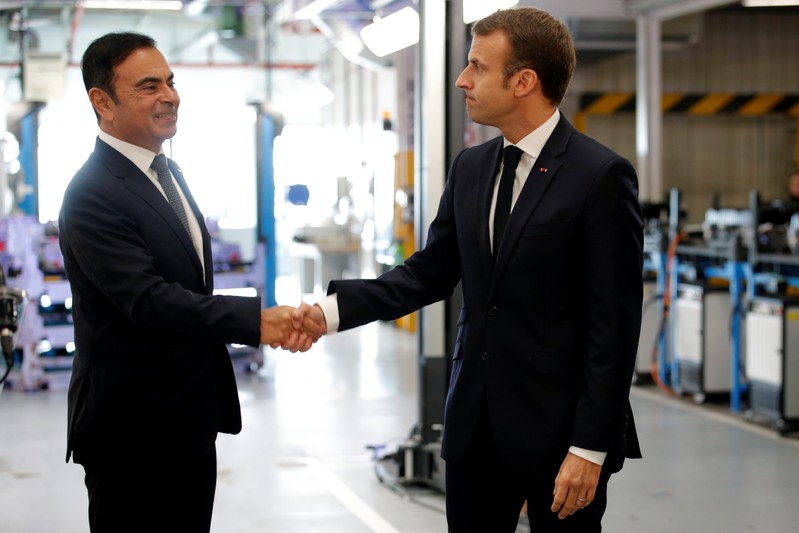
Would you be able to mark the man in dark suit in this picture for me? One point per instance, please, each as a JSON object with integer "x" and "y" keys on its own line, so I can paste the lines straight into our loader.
{"x": 152, "y": 381}
{"x": 538, "y": 402}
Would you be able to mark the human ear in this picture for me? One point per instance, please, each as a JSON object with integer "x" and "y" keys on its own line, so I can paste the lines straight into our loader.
{"x": 101, "y": 101}
{"x": 527, "y": 81}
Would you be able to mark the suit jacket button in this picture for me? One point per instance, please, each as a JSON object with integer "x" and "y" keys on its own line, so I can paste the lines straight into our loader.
{"x": 485, "y": 356}
{"x": 492, "y": 310}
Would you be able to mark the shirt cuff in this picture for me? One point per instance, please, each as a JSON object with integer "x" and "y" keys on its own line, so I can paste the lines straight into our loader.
{"x": 329, "y": 306}
{"x": 589, "y": 455}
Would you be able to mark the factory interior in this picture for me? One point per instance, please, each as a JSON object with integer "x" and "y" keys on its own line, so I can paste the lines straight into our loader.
{"x": 317, "y": 148}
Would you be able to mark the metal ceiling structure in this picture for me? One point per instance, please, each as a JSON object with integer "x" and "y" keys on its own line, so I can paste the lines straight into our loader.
{"x": 297, "y": 33}
{"x": 600, "y": 27}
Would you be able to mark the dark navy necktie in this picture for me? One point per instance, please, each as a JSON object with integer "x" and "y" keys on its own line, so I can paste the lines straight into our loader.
{"x": 510, "y": 158}
{"x": 165, "y": 179}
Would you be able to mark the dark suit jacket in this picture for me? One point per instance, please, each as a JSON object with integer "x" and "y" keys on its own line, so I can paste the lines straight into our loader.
{"x": 549, "y": 334}
{"x": 152, "y": 375}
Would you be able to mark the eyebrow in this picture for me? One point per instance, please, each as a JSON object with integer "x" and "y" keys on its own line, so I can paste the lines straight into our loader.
{"x": 153, "y": 79}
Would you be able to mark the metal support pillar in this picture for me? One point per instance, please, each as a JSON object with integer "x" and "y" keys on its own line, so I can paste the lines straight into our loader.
{"x": 648, "y": 116}
{"x": 28, "y": 203}
{"x": 418, "y": 458}
{"x": 649, "y": 128}
{"x": 431, "y": 90}
{"x": 267, "y": 128}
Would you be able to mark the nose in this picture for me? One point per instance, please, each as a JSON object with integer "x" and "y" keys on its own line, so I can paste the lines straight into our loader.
{"x": 461, "y": 82}
{"x": 170, "y": 95}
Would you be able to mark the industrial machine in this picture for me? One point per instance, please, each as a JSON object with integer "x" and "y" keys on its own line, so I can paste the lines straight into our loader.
{"x": 702, "y": 347}
{"x": 707, "y": 278}
{"x": 652, "y": 358}
{"x": 772, "y": 368}
{"x": 10, "y": 300}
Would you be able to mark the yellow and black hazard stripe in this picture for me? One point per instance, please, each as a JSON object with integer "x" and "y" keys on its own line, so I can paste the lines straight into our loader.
{"x": 695, "y": 103}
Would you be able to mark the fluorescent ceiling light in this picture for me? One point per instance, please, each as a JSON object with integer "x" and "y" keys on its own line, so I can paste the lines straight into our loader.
{"x": 770, "y": 3}
{"x": 195, "y": 8}
{"x": 314, "y": 8}
{"x": 477, "y": 9}
{"x": 149, "y": 5}
{"x": 391, "y": 33}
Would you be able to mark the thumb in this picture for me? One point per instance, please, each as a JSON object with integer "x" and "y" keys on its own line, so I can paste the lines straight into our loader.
{"x": 298, "y": 316}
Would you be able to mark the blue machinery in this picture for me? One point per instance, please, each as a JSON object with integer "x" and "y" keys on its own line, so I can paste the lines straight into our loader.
{"x": 708, "y": 283}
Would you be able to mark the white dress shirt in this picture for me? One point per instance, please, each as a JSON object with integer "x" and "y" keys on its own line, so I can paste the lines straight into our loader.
{"x": 530, "y": 146}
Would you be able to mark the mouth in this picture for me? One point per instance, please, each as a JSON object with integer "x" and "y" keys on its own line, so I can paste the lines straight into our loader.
{"x": 166, "y": 116}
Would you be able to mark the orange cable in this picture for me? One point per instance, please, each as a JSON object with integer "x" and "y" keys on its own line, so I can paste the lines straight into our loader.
{"x": 670, "y": 253}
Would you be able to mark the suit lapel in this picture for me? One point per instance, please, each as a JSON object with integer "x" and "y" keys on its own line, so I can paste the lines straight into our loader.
{"x": 543, "y": 172}
{"x": 140, "y": 185}
{"x": 488, "y": 171}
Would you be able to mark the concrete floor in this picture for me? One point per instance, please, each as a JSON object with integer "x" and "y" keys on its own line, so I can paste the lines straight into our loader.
{"x": 301, "y": 463}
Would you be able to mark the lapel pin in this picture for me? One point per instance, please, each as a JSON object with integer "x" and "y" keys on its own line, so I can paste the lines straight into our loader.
{"x": 543, "y": 169}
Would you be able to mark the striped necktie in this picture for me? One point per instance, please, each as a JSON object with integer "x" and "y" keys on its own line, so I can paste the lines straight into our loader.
{"x": 167, "y": 183}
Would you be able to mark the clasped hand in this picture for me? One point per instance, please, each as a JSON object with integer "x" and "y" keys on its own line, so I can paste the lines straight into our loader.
{"x": 293, "y": 329}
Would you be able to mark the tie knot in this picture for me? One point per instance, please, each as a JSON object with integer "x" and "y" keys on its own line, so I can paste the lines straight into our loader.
{"x": 159, "y": 164}
{"x": 511, "y": 156}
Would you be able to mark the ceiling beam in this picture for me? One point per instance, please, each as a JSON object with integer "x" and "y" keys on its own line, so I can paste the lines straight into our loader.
{"x": 667, "y": 9}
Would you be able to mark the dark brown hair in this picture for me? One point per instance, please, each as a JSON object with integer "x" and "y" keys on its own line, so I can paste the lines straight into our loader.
{"x": 538, "y": 41}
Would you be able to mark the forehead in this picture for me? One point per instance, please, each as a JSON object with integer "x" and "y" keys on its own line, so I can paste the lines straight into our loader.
{"x": 143, "y": 62}
{"x": 492, "y": 46}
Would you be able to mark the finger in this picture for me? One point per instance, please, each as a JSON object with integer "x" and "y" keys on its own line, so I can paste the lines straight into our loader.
{"x": 586, "y": 499}
{"x": 564, "y": 501}
{"x": 304, "y": 342}
{"x": 559, "y": 498}
{"x": 306, "y": 345}
{"x": 570, "y": 506}
{"x": 298, "y": 316}
{"x": 291, "y": 341}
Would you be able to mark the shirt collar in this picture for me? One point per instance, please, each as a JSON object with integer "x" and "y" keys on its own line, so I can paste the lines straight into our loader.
{"x": 534, "y": 141}
{"x": 141, "y": 157}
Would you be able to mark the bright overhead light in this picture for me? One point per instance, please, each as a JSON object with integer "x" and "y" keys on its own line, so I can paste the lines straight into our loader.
{"x": 149, "y": 5}
{"x": 394, "y": 32}
{"x": 314, "y": 9}
{"x": 477, "y": 9}
{"x": 770, "y": 3}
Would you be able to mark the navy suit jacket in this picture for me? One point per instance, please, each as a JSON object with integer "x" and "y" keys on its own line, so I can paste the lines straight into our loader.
{"x": 549, "y": 333}
{"x": 151, "y": 375}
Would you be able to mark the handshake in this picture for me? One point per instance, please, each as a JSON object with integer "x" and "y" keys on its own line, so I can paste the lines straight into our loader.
{"x": 293, "y": 329}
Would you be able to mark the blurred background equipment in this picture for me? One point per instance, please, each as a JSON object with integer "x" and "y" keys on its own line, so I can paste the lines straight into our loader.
{"x": 10, "y": 300}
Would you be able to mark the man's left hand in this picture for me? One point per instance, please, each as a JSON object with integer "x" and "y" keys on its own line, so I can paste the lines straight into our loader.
{"x": 575, "y": 485}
